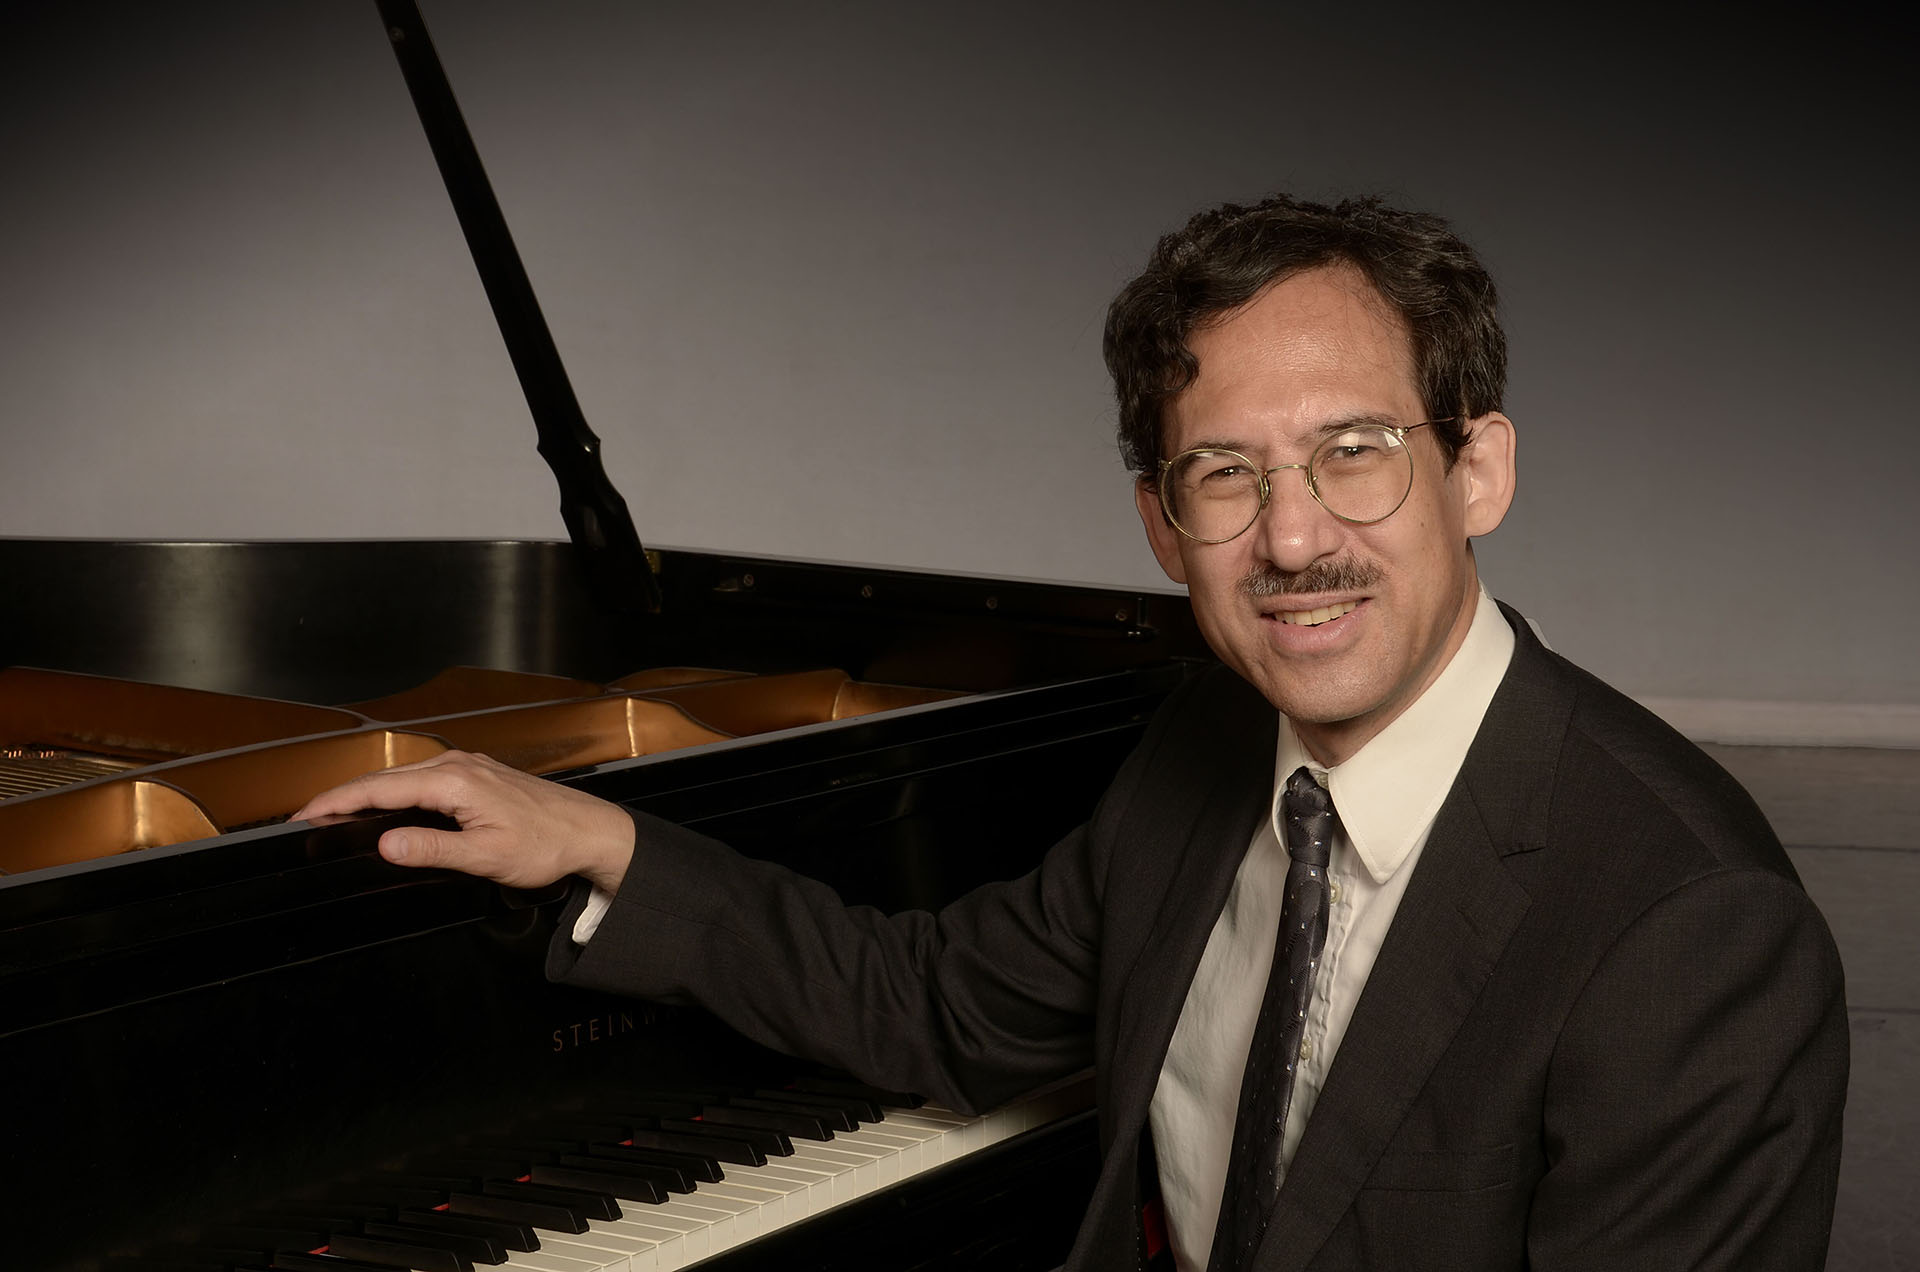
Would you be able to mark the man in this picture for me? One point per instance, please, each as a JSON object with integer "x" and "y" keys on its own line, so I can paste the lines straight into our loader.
{"x": 1399, "y": 942}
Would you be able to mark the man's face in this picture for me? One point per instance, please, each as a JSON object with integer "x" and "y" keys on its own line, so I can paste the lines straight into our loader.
{"x": 1313, "y": 351}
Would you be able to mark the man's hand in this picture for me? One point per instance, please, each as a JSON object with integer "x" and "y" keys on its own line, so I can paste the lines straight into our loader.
{"x": 521, "y": 831}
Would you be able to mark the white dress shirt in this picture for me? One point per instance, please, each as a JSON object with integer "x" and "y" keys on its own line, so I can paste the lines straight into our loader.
{"x": 1386, "y": 795}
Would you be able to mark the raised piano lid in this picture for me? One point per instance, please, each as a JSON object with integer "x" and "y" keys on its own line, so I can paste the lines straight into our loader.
{"x": 344, "y": 621}
{"x": 194, "y": 1026}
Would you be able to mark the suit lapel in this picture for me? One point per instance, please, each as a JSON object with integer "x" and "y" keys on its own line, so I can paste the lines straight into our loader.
{"x": 1226, "y": 809}
{"x": 1459, "y": 911}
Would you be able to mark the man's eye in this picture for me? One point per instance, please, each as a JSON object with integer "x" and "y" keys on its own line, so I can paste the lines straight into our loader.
{"x": 1351, "y": 454}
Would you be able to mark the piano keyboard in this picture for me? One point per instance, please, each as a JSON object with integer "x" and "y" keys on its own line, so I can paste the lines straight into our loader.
{"x": 600, "y": 1190}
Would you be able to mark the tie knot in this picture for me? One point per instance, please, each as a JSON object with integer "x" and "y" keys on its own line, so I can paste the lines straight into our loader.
{"x": 1307, "y": 813}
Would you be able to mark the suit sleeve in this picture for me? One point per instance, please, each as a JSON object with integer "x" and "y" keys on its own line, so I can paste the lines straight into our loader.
{"x": 983, "y": 1001}
{"x": 1693, "y": 1105}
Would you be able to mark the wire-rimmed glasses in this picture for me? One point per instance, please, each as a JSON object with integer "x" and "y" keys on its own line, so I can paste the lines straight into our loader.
{"x": 1360, "y": 474}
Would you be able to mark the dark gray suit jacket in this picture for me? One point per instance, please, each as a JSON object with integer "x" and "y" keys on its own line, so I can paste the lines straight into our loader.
{"x": 1606, "y": 1030}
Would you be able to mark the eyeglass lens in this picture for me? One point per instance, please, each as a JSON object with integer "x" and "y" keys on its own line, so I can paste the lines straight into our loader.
{"x": 1360, "y": 475}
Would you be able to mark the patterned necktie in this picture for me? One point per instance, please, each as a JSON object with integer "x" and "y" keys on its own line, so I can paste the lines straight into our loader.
{"x": 1266, "y": 1088}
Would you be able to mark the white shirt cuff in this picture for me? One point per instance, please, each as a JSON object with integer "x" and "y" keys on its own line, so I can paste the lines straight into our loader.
{"x": 589, "y": 921}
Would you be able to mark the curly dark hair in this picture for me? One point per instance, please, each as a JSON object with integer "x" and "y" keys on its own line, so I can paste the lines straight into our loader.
{"x": 1222, "y": 259}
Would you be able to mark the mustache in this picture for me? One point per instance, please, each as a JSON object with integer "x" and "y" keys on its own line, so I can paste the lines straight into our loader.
{"x": 1343, "y": 575}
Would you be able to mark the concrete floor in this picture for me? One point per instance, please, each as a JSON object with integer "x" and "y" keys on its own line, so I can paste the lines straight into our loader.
{"x": 1851, "y": 821}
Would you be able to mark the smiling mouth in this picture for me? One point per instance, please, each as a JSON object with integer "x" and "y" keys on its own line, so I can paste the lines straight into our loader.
{"x": 1313, "y": 618}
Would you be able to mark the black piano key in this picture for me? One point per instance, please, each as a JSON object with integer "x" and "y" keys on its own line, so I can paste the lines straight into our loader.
{"x": 398, "y": 1254}
{"x": 510, "y": 1233}
{"x": 847, "y": 1110}
{"x": 532, "y": 1213}
{"x": 695, "y": 1094}
{"x": 532, "y": 1148}
{"x": 339, "y": 1211}
{"x": 292, "y": 1262}
{"x": 390, "y": 1196}
{"x": 712, "y": 1146}
{"x": 267, "y": 1237}
{"x": 769, "y": 1142}
{"x": 479, "y": 1165}
{"x": 455, "y": 1181}
{"x": 639, "y": 1108}
{"x": 611, "y": 1131}
{"x": 614, "y": 1181}
{"x": 479, "y": 1249}
{"x": 786, "y": 1121}
{"x": 583, "y": 1201}
{"x": 679, "y": 1172}
{"x": 668, "y": 1178}
{"x": 847, "y": 1086}
{"x": 703, "y": 1168}
{"x": 623, "y": 1130}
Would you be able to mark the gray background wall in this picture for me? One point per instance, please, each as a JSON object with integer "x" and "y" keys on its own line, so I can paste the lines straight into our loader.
{"x": 830, "y": 278}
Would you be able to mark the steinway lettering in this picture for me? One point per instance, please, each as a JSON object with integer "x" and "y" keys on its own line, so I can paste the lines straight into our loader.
{"x": 598, "y": 1029}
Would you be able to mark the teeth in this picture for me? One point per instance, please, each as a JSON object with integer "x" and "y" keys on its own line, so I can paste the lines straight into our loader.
{"x": 1313, "y": 618}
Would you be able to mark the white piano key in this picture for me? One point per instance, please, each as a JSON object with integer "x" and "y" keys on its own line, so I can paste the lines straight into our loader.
{"x": 727, "y": 1215}
{"x": 771, "y": 1179}
{"x": 816, "y": 1189}
{"x": 848, "y": 1182}
{"x": 908, "y": 1134}
{"x": 1005, "y": 1122}
{"x": 933, "y": 1143}
{"x": 752, "y": 1201}
{"x": 884, "y": 1165}
{"x": 542, "y": 1260}
{"x": 647, "y": 1246}
{"x": 908, "y": 1119}
{"x": 769, "y": 1205}
{"x": 665, "y": 1247}
{"x": 695, "y": 1231}
{"x": 891, "y": 1133}
{"x": 848, "y": 1155}
{"x": 904, "y": 1152}
{"x": 596, "y": 1257}
{"x": 718, "y": 1226}
{"x": 959, "y": 1135}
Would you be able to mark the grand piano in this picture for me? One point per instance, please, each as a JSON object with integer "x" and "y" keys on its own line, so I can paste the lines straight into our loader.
{"x": 234, "y": 1043}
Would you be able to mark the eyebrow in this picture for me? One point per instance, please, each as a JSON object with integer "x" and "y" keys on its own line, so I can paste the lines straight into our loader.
{"x": 1319, "y": 433}
{"x": 1364, "y": 419}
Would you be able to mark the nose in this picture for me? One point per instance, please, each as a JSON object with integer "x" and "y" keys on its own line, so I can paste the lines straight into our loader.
{"x": 1293, "y": 530}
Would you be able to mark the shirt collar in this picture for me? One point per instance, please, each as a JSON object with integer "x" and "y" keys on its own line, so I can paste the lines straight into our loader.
{"x": 1389, "y": 791}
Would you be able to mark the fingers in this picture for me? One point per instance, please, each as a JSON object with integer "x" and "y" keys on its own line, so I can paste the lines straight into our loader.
{"x": 395, "y": 787}
{"x": 421, "y": 846}
{"x": 515, "y": 829}
{"x": 411, "y": 786}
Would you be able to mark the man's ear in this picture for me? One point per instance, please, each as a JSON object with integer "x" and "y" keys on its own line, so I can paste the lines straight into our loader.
{"x": 1161, "y": 536}
{"x": 1487, "y": 466}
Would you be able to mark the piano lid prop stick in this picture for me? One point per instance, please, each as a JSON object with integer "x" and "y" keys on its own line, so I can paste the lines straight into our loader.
{"x": 596, "y": 516}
